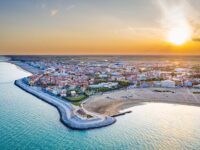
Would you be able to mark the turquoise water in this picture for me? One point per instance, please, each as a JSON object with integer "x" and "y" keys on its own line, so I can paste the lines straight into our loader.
{"x": 28, "y": 123}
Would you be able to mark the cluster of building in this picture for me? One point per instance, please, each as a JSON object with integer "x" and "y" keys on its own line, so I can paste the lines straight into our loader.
{"x": 75, "y": 78}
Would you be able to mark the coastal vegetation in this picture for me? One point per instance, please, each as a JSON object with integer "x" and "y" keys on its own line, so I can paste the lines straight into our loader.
{"x": 165, "y": 91}
{"x": 124, "y": 83}
{"x": 154, "y": 79}
{"x": 196, "y": 68}
{"x": 77, "y": 103}
{"x": 196, "y": 76}
{"x": 105, "y": 89}
{"x": 196, "y": 92}
{"x": 76, "y": 98}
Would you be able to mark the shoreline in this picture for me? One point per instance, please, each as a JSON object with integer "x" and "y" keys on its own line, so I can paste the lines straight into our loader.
{"x": 67, "y": 116}
{"x": 117, "y": 101}
{"x": 25, "y": 67}
{"x": 120, "y": 108}
{"x": 65, "y": 109}
{"x": 116, "y": 104}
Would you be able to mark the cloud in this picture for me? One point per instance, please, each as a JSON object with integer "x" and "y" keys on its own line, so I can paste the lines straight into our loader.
{"x": 70, "y": 7}
{"x": 54, "y": 12}
{"x": 176, "y": 14}
{"x": 139, "y": 32}
{"x": 196, "y": 36}
{"x": 150, "y": 32}
{"x": 196, "y": 39}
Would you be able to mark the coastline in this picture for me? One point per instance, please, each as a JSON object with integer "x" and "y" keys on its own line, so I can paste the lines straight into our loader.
{"x": 114, "y": 102}
{"x": 67, "y": 116}
{"x": 65, "y": 109}
{"x": 25, "y": 67}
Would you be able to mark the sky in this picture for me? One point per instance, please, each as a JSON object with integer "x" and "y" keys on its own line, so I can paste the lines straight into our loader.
{"x": 100, "y": 27}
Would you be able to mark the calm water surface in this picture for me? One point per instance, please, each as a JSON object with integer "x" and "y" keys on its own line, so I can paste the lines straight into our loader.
{"x": 28, "y": 123}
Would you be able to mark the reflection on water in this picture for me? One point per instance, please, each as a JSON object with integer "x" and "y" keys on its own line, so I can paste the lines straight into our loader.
{"x": 29, "y": 123}
{"x": 9, "y": 72}
{"x": 171, "y": 125}
{"x": 2, "y": 58}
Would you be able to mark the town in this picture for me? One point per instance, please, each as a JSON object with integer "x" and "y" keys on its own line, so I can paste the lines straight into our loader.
{"x": 75, "y": 80}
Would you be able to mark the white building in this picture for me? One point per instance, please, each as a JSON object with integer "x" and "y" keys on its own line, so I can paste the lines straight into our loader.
{"x": 73, "y": 93}
{"x": 197, "y": 86}
{"x": 157, "y": 84}
{"x": 55, "y": 91}
{"x": 63, "y": 93}
{"x": 107, "y": 85}
{"x": 180, "y": 70}
{"x": 142, "y": 77}
{"x": 168, "y": 84}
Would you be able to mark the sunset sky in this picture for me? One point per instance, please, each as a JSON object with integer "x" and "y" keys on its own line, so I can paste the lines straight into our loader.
{"x": 99, "y": 26}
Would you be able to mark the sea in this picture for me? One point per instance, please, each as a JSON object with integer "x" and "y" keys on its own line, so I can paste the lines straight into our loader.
{"x": 27, "y": 123}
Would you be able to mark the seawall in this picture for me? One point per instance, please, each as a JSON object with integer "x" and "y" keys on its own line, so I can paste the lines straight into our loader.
{"x": 67, "y": 116}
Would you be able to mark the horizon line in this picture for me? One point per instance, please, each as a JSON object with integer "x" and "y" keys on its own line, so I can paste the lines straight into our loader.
{"x": 114, "y": 54}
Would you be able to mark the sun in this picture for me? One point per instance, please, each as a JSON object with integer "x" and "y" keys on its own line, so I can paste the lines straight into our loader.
{"x": 179, "y": 35}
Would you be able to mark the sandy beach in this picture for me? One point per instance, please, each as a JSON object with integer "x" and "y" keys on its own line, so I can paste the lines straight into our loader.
{"x": 111, "y": 103}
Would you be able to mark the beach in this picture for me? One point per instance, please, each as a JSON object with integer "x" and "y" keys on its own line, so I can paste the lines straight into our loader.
{"x": 68, "y": 115}
{"x": 113, "y": 102}
{"x": 26, "y": 122}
